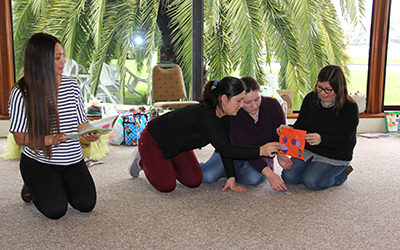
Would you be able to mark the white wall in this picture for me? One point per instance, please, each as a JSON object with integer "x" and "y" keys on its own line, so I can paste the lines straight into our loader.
{"x": 367, "y": 125}
{"x": 4, "y": 126}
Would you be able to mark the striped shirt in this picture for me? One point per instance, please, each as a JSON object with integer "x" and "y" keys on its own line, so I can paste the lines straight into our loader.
{"x": 71, "y": 112}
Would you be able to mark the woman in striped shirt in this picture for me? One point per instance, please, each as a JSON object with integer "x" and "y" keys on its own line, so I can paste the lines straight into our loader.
{"x": 44, "y": 106}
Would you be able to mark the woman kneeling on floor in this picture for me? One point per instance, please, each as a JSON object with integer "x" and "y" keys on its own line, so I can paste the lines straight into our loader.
{"x": 166, "y": 145}
{"x": 44, "y": 106}
{"x": 330, "y": 117}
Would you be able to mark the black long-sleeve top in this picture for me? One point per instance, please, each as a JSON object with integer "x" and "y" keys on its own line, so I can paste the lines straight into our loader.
{"x": 244, "y": 132}
{"x": 195, "y": 126}
{"x": 338, "y": 133}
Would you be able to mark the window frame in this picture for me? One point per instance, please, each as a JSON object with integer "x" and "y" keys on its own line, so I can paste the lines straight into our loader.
{"x": 376, "y": 72}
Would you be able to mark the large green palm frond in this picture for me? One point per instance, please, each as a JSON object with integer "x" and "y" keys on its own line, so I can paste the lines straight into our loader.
{"x": 283, "y": 36}
{"x": 25, "y": 17}
{"x": 334, "y": 35}
{"x": 246, "y": 35}
{"x": 73, "y": 29}
{"x": 127, "y": 14}
{"x": 303, "y": 35}
{"x": 217, "y": 42}
{"x": 83, "y": 48}
{"x": 96, "y": 18}
{"x": 123, "y": 20}
{"x": 149, "y": 28}
{"x": 326, "y": 37}
{"x": 78, "y": 30}
{"x": 353, "y": 11}
{"x": 302, "y": 15}
{"x": 108, "y": 25}
{"x": 181, "y": 21}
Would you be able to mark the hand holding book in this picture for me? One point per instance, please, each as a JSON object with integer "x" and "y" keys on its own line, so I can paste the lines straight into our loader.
{"x": 98, "y": 127}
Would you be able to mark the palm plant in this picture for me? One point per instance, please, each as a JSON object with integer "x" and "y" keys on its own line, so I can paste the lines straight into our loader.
{"x": 303, "y": 35}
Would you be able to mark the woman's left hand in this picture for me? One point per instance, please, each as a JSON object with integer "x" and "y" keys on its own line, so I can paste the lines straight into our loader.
{"x": 285, "y": 162}
{"x": 231, "y": 184}
{"x": 90, "y": 137}
{"x": 313, "y": 139}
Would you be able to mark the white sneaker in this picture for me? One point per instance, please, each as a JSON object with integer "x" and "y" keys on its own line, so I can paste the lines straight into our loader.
{"x": 134, "y": 167}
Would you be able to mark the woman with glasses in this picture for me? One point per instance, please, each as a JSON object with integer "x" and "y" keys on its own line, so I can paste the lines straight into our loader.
{"x": 330, "y": 117}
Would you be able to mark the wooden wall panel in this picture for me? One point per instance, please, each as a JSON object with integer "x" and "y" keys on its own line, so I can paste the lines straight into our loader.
{"x": 6, "y": 55}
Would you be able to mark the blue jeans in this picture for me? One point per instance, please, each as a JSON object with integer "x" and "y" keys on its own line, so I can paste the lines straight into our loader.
{"x": 314, "y": 175}
{"x": 213, "y": 170}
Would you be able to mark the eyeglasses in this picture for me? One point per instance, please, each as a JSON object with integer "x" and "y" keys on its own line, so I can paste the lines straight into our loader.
{"x": 320, "y": 89}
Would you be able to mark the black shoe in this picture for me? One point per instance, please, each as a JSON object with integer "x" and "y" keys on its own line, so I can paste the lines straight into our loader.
{"x": 26, "y": 194}
{"x": 349, "y": 169}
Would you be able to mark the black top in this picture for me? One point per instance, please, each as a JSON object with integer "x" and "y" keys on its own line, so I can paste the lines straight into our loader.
{"x": 195, "y": 126}
{"x": 338, "y": 133}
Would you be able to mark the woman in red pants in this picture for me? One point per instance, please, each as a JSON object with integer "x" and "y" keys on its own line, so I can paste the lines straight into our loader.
{"x": 166, "y": 145}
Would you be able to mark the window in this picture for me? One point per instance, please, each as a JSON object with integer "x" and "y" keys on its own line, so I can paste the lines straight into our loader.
{"x": 357, "y": 40}
{"x": 392, "y": 76}
{"x": 375, "y": 68}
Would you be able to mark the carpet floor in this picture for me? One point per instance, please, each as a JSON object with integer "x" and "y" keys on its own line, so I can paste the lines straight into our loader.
{"x": 363, "y": 213}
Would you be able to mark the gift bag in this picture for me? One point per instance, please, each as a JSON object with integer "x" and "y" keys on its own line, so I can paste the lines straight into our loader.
{"x": 116, "y": 136}
{"x": 133, "y": 126}
{"x": 292, "y": 142}
{"x": 392, "y": 121}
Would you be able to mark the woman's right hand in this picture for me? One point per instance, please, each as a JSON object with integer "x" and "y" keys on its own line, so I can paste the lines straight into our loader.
{"x": 270, "y": 149}
{"x": 231, "y": 184}
{"x": 55, "y": 140}
{"x": 279, "y": 129}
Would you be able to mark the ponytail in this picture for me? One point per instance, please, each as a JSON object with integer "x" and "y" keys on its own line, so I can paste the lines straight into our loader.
{"x": 213, "y": 90}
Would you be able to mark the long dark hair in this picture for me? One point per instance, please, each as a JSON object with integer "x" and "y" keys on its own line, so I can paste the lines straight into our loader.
{"x": 213, "y": 90}
{"x": 251, "y": 84}
{"x": 335, "y": 76}
{"x": 39, "y": 88}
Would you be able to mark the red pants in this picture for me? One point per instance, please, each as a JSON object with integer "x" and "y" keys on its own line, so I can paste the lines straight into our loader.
{"x": 162, "y": 173}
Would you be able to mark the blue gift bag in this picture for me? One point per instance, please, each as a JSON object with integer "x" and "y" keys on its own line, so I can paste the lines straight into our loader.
{"x": 133, "y": 126}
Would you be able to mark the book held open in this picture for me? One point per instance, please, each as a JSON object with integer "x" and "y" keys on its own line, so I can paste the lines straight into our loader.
{"x": 98, "y": 127}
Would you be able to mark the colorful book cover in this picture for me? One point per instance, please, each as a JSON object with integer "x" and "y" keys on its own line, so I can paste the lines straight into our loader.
{"x": 392, "y": 121}
{"x": 98, "y": 127}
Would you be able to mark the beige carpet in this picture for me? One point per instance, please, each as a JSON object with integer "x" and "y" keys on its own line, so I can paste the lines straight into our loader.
{"x": 363, "y": 213}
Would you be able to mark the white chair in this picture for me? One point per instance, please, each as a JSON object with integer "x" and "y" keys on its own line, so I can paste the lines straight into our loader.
{"x": 108, "y": 87}
{"x": 131, "y": 81}
{"x": 71, "y": 68}
{"x": 77, "y": 71}
{"x": 114, "y": 70}
{"x": 84, "y": 80}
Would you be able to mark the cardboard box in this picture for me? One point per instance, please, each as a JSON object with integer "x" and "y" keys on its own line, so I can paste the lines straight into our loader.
{"x": 287, "y": 96}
